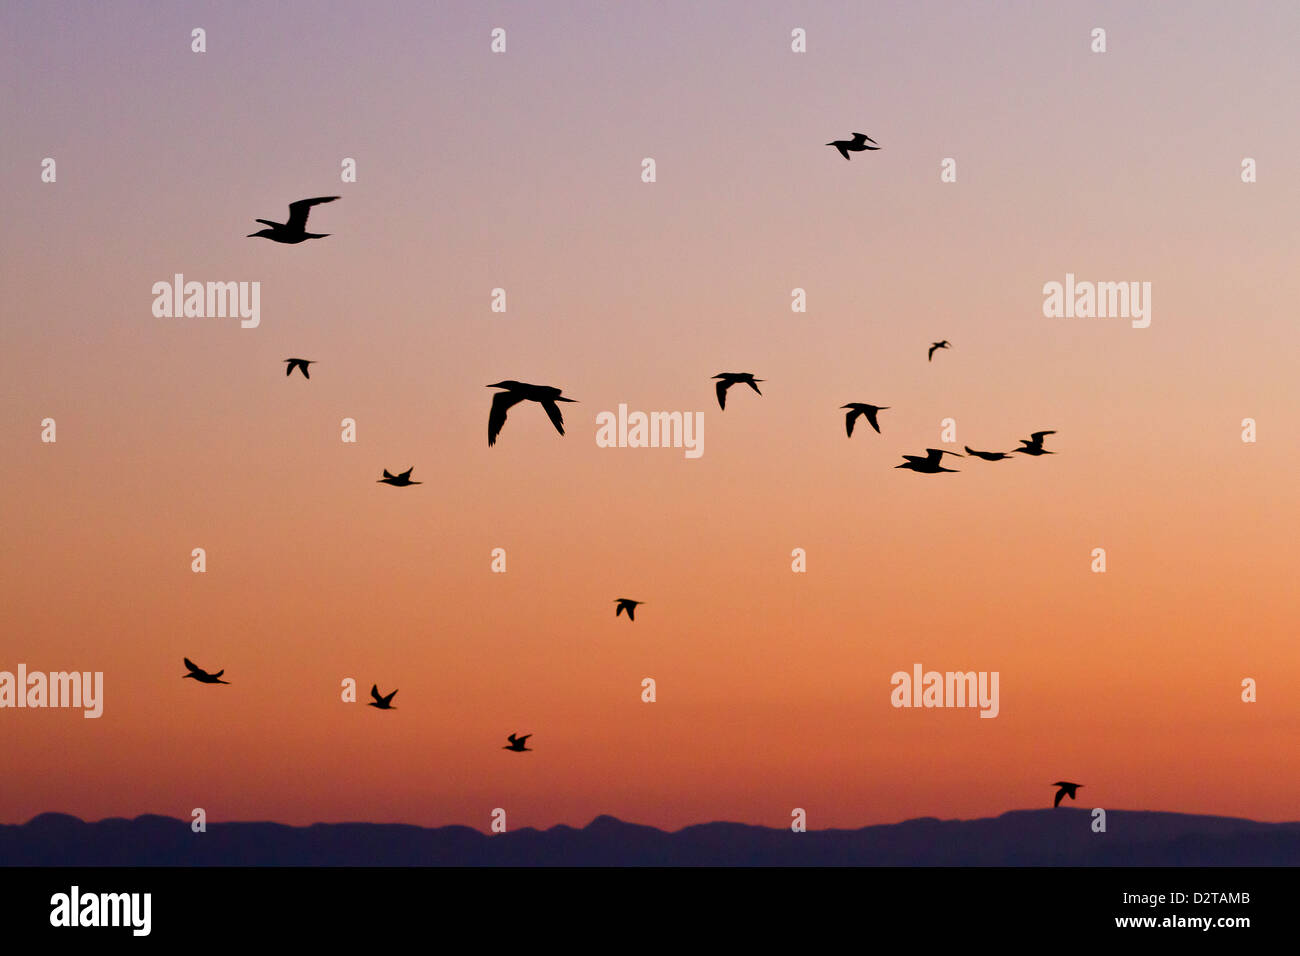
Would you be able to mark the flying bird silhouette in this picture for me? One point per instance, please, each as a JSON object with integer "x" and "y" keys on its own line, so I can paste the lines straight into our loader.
{"x": 298, "y": 363}
{"x": 860, "y": 408}
{"x": 626, "y": 604}
{"x": 383, "y": 703}
{"x": 1067, "y": 790}
{"x": 929, "y": 463}
{"x": 1034, "y": 444}
{"x": 988, "y": 455}
{"x": 202, "y": 676}
{"x": 855, "y": 145}
{"x": 728, "y": 379}
{"x": 295, "y": 230}
{"x": 398, "y": 481}
{"x": 937, "y": 345}
{"x": 517, "y": 743}
{"x": 516, "y": 392}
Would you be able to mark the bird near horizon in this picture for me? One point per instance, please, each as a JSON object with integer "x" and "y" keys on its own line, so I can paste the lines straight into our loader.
{"x": 855, "y": 145}
{"x": 300, "y": 364}
{"x": 1034, "y": 444}
{"x": 626, "y": 604}
{"x": 516, "y": 392}
{"x": 945, "y": 344}
{"x": 202, "y": 676}
{"x": 988, "y": 455}
{"x": 398, "y": 481}
{"x": 728, "y": 379}
{"x": 1067, "y": 790}
{"x": 928, "y": 464}
{"x": 382, "y": 703}
{"x": 295, "y": 230}
{"x": 861, "y": 408}
{"x": 517, "y": 743}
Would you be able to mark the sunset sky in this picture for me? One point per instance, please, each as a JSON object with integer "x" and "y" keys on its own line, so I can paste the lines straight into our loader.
{"x": 522, "y": 171}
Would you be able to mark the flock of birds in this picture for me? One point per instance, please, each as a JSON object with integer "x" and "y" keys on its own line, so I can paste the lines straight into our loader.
{"x": 511, "y": 393}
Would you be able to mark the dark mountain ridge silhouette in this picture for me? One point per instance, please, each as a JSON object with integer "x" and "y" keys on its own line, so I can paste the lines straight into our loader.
{"x": 1045, "y": 837}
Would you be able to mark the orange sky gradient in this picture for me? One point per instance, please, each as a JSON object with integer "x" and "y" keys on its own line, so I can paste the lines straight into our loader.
{"x": 522, "y": 171}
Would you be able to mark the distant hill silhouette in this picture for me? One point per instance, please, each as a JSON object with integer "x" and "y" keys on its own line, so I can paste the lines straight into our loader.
{"x": 1019, "y": 838}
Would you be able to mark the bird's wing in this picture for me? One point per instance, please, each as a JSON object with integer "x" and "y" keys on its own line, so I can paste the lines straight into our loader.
{"x": 933, "y": 454}
{"x": 511, "y": 738}
{"x": 931, "y": 355}
{"x": 1038, "y": 436}
{"x": 843, "y": 152}
{"x": 192, "y": 667}
{"x": 521, "y": 739}
{"x": 305, "y": 372}
{"x": 848, "y": 421}
{"x": 298, "y": 210}
{"x": 390, "y": 697}
{"x": 374, "y": 692}
{"x": 501, "y": 403}
{"x": 754, "y": 385}
{"x": 871, "y": 417}
{"x": 619, "y": 610}
{"x": 860, "y": 138}
{"x": 1059, "y": 794}
{"x": 407, "y": 473}
{"x": 631, "y": 611}
{"x": 721, "y": 389}
{"x": 288, "y": 369}
{"x": 387, "y": 475}
{"x": 219, "y": 673}
{"x": 553, "y": 410}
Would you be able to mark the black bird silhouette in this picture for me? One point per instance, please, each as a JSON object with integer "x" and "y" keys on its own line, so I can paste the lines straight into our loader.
{"x": 517, "y": 743}
{"x": 860, "y": 408}
{"x": 929, "y": 463}
{"x": 383, "y": 703}
{"x": 626, "y": 604}
{"x": 202, "y": 676}
{"x": 516, "y": 392}
{"x": 855, "y": 145}
{"x": 398, "y": 481}
{"x": 728, "y": 379}
{"x": 1067, "y": 790}
{"x": 295, "y": 230}
{"x": 1034, "y": 444}
{"x": 298, "y": 363}
{"x": 988, "y": 455}
{"x": 937, "y": 345}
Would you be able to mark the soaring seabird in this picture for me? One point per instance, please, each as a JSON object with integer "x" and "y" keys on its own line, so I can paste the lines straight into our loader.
{"x": 202, "y": 676}
{"x": 626, "y": 604}
{"x": 855, "y": 145}
{"x": 988, "y": 455}
{"x": 928, "y": 464}
{"x": 1067, "y": 790}
{"x": 728, "y": 379}
{"x": 860, "y": 408}
{"x": 383, "y": 703}
{"x": 398, "y": 481}
{"x": 298, "y": 363}
{"x": 295, "y": 230}
{"x": 516, "y": 392}
{"x": 1034, "y": 444}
